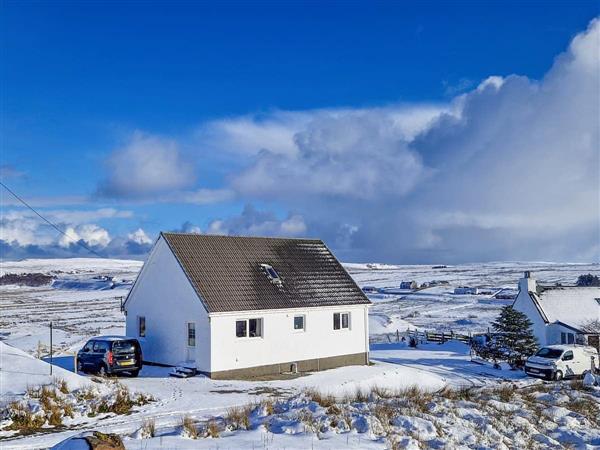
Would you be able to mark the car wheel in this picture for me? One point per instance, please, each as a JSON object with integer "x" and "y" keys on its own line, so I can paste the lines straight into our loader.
{"x": 134, "y": 373}
{"x": 102, "y": 372}
{"x": 80, "y": 367}
{"x": 558, "y": 375}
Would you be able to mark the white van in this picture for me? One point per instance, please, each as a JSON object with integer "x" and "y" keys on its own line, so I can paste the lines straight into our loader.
{"x": 554, "y": 362}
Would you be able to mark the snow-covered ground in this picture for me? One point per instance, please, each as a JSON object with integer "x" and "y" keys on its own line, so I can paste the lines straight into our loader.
{"x": 81, "y": 304}
{"x": 437, "y": 307}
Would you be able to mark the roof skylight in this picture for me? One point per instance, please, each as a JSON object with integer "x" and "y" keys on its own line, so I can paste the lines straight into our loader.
{"x": 271, "y": 273}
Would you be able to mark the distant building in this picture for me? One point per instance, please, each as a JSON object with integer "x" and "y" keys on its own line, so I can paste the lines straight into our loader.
{"x": 558, "y": 313}
{"x": 409, "y": 285}
{"x": 465, "y": 290}
{"x": 370, "y": 289}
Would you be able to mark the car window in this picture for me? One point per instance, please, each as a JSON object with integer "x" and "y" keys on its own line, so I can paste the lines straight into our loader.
{"x": 568, "y": 356}
{"x": 550, "y": 353}
{"x": 124, "y": 346}
{"x": 100, "y": 347}
{"x": 88, "y": 346}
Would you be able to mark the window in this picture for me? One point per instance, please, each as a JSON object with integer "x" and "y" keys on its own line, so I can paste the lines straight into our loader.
{"x": 100, "y": 347}
{"x": 568, "y": 356}
{"x": 299, "y": 323}
{"x": 191, "y": 334}
{"x": 271, "y": 274}
{"x": 249, "y": 328}
{"x": 341, "y": 321}
{"x": 241, "y": 329}
{"x": 570, "y": 338}
{"x": 141, "y": 326}
{"x": 255, "y": 327}
{"x": 563, "y": 338}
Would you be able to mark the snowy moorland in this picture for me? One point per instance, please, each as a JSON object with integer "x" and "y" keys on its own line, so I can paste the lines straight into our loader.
{"x": 430, "y": 396}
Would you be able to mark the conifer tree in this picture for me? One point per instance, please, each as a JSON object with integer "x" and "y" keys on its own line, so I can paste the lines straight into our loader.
{"x": 514, "y": 336}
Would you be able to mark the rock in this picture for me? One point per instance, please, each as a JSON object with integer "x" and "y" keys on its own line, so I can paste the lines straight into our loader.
{"x": 102, "y": 441}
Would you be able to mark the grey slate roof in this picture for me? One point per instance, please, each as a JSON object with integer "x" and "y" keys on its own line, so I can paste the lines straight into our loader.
{"x": 225, "y": 272}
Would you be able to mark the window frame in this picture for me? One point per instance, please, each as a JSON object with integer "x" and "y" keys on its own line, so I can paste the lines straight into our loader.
{"x": 141, "y": 329}
{"x": 191, "y": 338}
{"x": 568, "y": 353}
{"x": 261, "y": 327}
{"x": 299, "y": 330}
{"x": 340, "y": 321}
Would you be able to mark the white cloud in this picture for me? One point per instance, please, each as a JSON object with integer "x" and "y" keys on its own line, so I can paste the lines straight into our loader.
{"x": 139, "y": 236}
{"x": 508, "y": 170}
{"x": 92, "y": 234}
{"x": 361, "y": 154}
{"x": 201, "y": 196}
{"x": 252, "y": 222}
{"x": 146, "y": 166}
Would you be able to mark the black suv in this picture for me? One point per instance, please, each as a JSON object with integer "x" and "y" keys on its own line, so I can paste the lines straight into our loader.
{"x": 108, "y": 355}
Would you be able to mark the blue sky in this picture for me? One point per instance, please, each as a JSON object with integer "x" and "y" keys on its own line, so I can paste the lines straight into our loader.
{"x": 329, "y": 120}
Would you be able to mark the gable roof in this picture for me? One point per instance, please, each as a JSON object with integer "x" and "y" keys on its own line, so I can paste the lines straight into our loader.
{"x": 226, "y": 272}
{"x": 572, "y": 306}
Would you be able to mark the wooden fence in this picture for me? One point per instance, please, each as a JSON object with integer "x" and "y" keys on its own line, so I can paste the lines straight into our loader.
{"x": 438, "y": 337}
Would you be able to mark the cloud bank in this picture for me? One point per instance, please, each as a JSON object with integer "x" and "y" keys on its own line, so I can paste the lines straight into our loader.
{"x": 22, "y": 234}
{"x": 508, "y": 170}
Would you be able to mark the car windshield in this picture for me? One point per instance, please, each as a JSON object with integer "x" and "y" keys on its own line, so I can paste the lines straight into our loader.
{"x": 124, "y": 346}
{"x": 550, "y": 353}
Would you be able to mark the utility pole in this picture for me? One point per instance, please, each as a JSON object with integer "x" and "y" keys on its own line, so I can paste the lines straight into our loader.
{"x": 51, "y": 348}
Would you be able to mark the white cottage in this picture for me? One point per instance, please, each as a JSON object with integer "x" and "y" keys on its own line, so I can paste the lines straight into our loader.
{"x": 237, "y": 307}
{"x": 558, "y": 312}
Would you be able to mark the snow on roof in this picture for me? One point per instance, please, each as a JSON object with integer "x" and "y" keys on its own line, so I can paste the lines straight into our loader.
{"x": 574, "y": 306}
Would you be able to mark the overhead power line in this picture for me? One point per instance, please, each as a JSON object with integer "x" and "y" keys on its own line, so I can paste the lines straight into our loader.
{"x": 77, "y": 241}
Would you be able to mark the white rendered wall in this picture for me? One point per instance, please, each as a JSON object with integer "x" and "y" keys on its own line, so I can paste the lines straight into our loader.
{"x": 281, "y": 343}
{"x": 554, "y": 331}
{"x": 164, "y": 296}
{"x": 524, "y": 304}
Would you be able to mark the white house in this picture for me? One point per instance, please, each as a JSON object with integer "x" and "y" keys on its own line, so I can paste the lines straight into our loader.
{"x": 558, "y": 312}
{"x": 237, "y": 307}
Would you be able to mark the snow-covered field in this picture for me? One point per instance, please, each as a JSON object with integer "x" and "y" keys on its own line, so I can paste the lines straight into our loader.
{"x": 81, "y": 303}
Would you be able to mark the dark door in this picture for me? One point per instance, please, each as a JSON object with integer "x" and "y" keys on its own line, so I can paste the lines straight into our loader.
{"x": 98, "y": 352}
{"x": 86, "y": 352}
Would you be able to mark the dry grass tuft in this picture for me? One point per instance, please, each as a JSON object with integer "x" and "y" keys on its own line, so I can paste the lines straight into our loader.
{"x": 385, "y": 413}
{"x": 149, "y": 428}
{"x": 505, "y": 392}
{"x": 189, "y": 427}
{"x": 212, "y": 430}
{"x": 324, "y": 400}
{"x": 23, "y": 419}
{"x": 61, "y": 385}
{"x": 586, "y": 407}
{"x": 238, "y": 417}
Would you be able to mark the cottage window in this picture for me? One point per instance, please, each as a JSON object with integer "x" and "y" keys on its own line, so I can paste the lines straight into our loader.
{"x": 299, "y": 323}
{"x": 341, "y": 321}
{"x": 241, "y": 328}
{"x": 249, "y": 328}
{"x": 570, "y": 338}
{"x": 255, "y": 327}
{"x": 141, "y": 326}
{"x": 191, "y": 334}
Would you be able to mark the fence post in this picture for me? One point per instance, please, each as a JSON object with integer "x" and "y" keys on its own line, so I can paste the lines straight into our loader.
{"x": 397, "y": 335}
